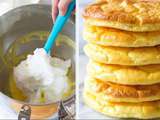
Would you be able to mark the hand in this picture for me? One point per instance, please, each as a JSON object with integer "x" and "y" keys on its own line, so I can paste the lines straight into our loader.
{"x": 59, "y": 6}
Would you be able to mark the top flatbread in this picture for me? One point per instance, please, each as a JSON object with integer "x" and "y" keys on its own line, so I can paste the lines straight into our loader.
{"x": 130, "y": 15}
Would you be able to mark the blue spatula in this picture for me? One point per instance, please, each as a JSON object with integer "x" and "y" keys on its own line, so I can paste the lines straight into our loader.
{"x": 58, "y": 26}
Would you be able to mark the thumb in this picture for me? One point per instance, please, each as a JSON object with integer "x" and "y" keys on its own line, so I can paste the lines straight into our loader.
{"x": 63, "y": 6}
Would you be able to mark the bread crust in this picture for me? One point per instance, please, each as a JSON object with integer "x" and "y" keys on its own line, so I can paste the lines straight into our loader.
{"x": 122, "y": 93}
{"x": 123, "y": 56}
{"x": 126, "y": 75}
{"x": 131, "y": 15}
{"x": 119, "y": 38}
{"x": 144, "y": 110}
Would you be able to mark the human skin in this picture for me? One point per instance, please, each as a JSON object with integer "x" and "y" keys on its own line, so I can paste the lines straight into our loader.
{"x": 59, "y": 6}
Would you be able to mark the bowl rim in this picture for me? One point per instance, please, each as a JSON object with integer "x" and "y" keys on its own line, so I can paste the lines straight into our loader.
{"x": 72, "y": 19}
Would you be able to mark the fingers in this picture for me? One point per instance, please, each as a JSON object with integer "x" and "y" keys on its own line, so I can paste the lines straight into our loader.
{"x": 59, "y": 6}
{"x": 63, "y": 5}
{"x": 55, "y": 9}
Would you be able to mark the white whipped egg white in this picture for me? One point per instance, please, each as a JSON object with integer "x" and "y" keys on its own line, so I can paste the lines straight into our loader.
{"x": 42, "y": 78}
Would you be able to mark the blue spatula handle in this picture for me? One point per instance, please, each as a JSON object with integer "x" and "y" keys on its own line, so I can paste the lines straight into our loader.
{"x": 58, "y": 25}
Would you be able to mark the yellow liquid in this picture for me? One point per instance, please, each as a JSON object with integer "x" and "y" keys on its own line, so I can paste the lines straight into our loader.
{"x": 14, "y": 91}
{"x": 13, "y": 60}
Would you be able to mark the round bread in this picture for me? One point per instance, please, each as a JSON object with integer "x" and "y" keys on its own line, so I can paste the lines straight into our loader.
{"x": 122, "y": 93}
{"x": 114, "y": 37}
{"x": 129, "y": 15}
{"x": 145, "y": 110}
{"x": 123, "y": 56}
{"x": 127, "y": 75}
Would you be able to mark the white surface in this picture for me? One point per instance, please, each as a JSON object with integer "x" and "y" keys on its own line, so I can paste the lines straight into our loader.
{"x": 6, "y": 5}
{"x": 5, "y": 111}
{"x": 81, "y": 5}
{"x": 24, "y": 2}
